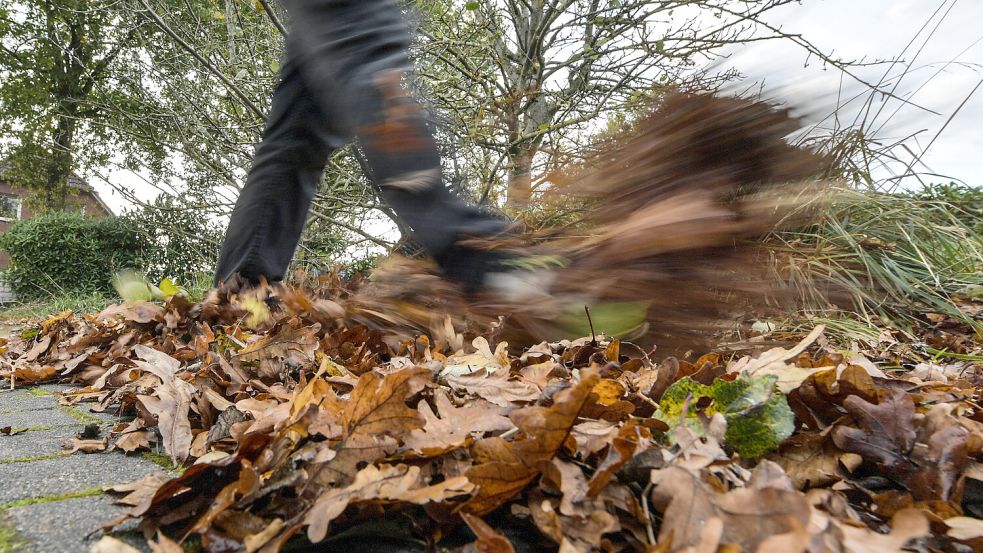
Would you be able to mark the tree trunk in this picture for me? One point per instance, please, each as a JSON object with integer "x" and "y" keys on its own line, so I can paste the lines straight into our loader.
{"x": 58, "y": 167}
{"x": 520, "y": 177}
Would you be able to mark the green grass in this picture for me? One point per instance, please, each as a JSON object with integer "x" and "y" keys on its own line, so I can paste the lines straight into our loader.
{"x": 40, "y": 428}
{"x": 87, "y": 492}
{"x": 30, "y": 459}
{"x": 162, "y": 461}
{"x": 79, "y": 415}
{"x": 43, "y": 308}
{"x": 10, "y": 540}
{"x": 891, "y": 256}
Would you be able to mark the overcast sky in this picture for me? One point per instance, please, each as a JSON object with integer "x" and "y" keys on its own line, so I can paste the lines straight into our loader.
{"x": 882, "y": 29}
{"x": 871, "y": 29}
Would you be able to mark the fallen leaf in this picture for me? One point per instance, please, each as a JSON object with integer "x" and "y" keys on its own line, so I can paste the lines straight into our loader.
{"x": 34, "y": 374}
{"x": 86, "y": 446}
{"x": 495, "y": 386}
{"x": 375, "y": 414}
{"x": 387, "y": 483}
{"x": 254, "y": 542}
{"x": 140, "y": 491}
{"x": 170, "y": 406}
{"x": 906, "y": 525}
{"x": 572, "y": 533}
{"x": 812, "y": 460}
{"x": 964, "y": 528}
{"x": 454, "y": 426}
{"x": 164, "y": 544}
{"x": 156, "y": 362}
{"x": 749, "y": 515}
{"x": 887, "y": 437}
{"x": 507, "y": 467}
{"x": 109, "y": 544}
{"x": 488, "y": 539}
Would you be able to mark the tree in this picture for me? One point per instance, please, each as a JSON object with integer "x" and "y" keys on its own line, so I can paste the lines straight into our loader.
{"x": 522, "y": 85}
{"x": 56, "y": 61}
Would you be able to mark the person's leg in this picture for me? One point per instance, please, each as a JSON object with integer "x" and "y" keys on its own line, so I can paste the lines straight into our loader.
{"x": 353, "y": 55}
{"x": 270, "y": 213}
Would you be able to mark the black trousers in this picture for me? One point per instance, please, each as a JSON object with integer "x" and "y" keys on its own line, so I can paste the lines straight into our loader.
{"x": 341, "y": 81}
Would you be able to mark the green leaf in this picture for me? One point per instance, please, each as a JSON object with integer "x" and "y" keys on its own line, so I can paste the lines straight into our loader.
{"x": 168, "y": 288}
{"x": 132, "y": 286}
{"x": 471, "y": 6}
{"x": 660, "y": 46}
{"x": 757, "y": 413}
{"x": 275, "y": 66}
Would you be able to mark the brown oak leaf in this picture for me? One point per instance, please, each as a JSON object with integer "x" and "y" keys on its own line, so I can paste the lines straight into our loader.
{"x": 386, "y": 483}
{"x": 375, "y": 414}
{"x": 507, "y": 467}
{"x": 748, "y": 515}
{"x": 171, "y": 405}
{"x": 489, "y": 540}
{"x": 812, "y": 460}
{"x": 495, "y": 386}
{"x": 927, "y": 460}
{"x": 454, "y": 426}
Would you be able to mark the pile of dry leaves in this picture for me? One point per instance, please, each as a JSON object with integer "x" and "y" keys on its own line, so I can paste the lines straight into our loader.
{"x": 290, "y": 427}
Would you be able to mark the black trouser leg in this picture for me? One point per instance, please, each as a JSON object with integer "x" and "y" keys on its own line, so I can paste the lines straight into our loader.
{"x": 350, "y": 57}
{"x": 269, "y": 215}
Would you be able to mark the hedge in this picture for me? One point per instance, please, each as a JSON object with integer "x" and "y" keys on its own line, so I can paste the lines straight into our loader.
{"x": 66, "y": 252}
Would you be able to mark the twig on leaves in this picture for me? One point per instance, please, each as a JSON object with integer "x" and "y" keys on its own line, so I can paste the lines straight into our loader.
{"x": 593, "y": 337}
{"x": 649, "y": 531}
{"x": 647, "y": 399}
{"x": 509, "y": 433}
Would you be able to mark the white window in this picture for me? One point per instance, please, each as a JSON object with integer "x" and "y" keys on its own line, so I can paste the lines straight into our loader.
{"x": 10, "y": 207}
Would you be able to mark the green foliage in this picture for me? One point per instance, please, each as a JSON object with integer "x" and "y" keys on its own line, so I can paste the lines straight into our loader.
{"x": 10, "y": 540}
{"x": 757, "y": 413}
{"x": 966, "y": 201}
{"x": 360, "y": 267}
{"x": 56, "y": 76}
{"x": 63, "y": 253}
{"x": 184, "y": 241}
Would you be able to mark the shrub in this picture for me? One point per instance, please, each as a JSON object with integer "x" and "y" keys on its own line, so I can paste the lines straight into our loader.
{"x": 966, "y": 201}
{"x": 63, "y": 253}
{"x": 185, "y": 242}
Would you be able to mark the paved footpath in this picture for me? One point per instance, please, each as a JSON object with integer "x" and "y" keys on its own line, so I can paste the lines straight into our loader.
{"x": 55, "y": 503}
{"x": 50, "y": 502}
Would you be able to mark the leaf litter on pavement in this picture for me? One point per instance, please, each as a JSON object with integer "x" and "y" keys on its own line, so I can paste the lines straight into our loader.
{"x": 303, "y": 414}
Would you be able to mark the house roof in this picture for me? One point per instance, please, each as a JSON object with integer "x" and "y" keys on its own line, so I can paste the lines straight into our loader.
{"x": 74, "y": 181}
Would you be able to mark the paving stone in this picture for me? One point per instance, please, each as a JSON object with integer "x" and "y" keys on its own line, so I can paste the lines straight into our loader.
{"x": 68, "y": 474}
{"x": 52, "y": 388}
{"x": 24, "y": 402}
{"x": 32, "y": 444}
{"x": 31, "y": 419}
{"x": 71, "y": 526}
